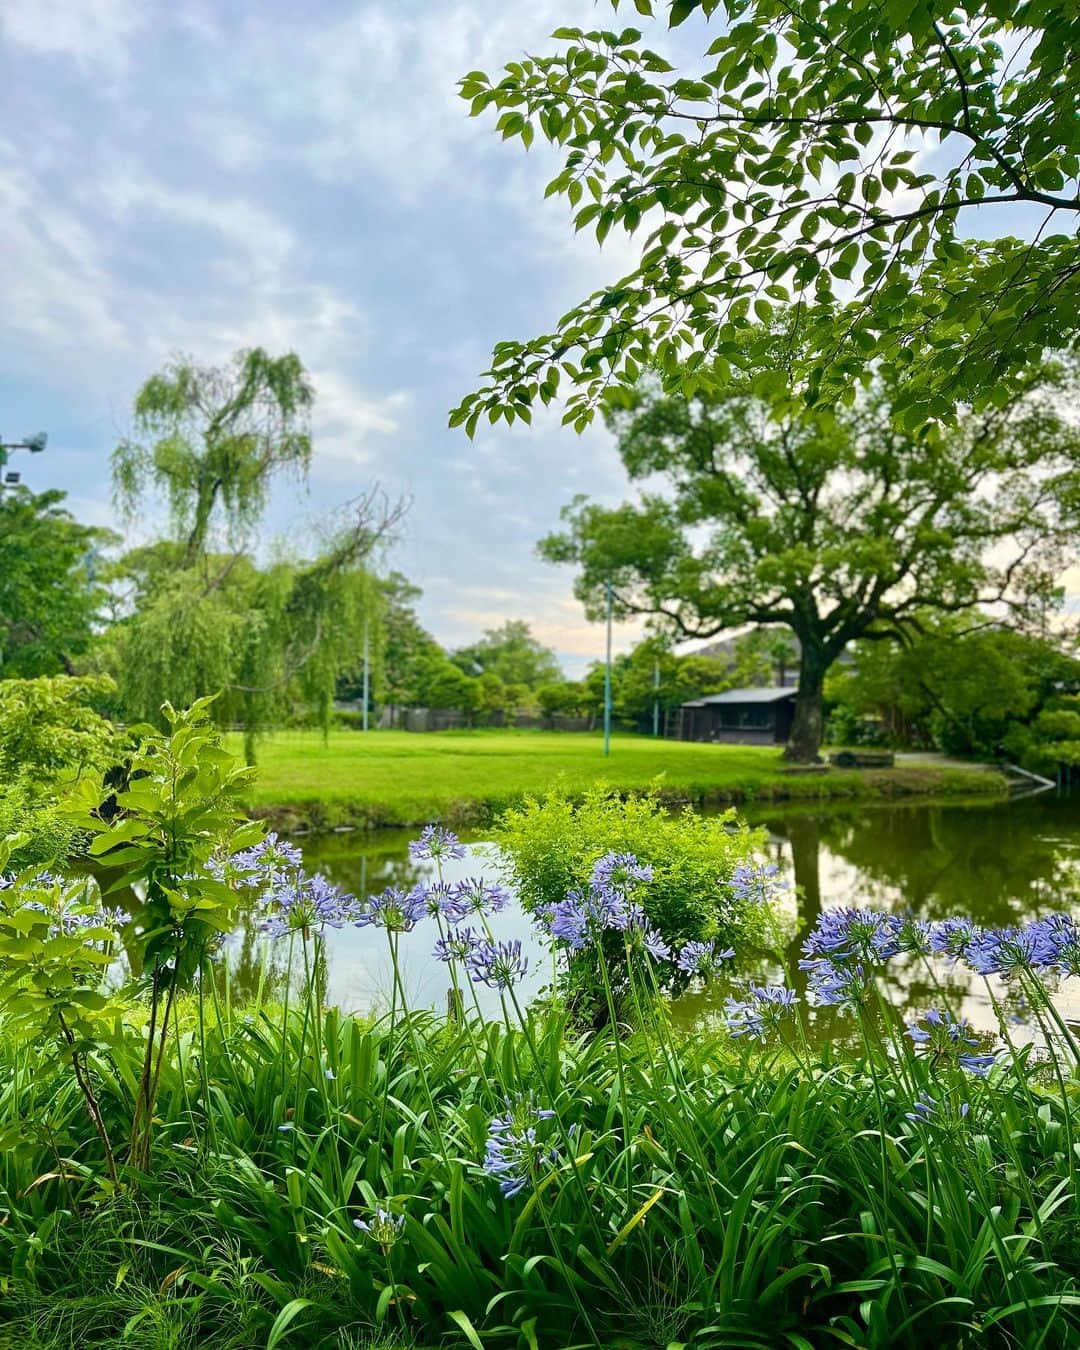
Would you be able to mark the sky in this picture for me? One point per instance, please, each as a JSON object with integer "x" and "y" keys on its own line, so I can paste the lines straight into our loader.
{"x": 196, "y": 176}
{"x": 201, "y": 175}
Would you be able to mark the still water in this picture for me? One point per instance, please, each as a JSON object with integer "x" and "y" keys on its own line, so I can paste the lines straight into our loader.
{"x": 997, "y": 863}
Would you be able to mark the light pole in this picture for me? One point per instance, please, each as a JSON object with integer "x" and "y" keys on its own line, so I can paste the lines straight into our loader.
{"x": 656, "y": 696}
{"x": 608, "y": 592}
{"x": 35, "y": 444}
{"x": 366, "y": 683}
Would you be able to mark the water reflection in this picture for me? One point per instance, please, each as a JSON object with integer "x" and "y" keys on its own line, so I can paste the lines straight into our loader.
{"x": 998, "y": 863}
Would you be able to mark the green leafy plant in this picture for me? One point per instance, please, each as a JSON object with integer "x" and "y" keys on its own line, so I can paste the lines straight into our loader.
{"x": 179, "y": 813}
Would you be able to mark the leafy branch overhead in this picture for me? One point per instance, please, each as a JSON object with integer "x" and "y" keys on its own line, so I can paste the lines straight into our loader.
{"x": 840, "y": 154}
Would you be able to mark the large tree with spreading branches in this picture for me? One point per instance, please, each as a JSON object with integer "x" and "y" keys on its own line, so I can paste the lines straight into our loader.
{"x": 900, "y": 178}
{"x": 832, "y": 522}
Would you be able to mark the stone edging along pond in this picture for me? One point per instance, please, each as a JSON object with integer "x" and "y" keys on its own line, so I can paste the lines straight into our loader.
{"x": 823, "y": 784}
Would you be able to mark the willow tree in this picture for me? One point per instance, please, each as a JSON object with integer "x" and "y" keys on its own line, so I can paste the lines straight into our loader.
{"x": 204, "y": 613}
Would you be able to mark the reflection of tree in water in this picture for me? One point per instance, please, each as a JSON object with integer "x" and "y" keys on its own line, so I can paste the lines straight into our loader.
{"x": 996, "y": 863}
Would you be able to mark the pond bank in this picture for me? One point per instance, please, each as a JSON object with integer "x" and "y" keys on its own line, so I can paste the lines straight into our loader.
{"x": 394, "y": 779}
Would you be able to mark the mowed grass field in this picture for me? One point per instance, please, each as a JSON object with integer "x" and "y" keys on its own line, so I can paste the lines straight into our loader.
{"x": 403, "y": 778}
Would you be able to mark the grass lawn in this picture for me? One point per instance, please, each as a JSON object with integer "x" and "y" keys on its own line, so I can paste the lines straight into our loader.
{"x": 404, "y": 778}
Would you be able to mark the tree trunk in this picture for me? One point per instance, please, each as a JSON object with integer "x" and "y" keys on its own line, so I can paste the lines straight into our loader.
{"x": 804, "y": 741}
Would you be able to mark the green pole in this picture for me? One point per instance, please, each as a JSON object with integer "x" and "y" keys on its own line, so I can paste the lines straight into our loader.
{"x": 366, "y": 686}
{"x": 607, "y": 674}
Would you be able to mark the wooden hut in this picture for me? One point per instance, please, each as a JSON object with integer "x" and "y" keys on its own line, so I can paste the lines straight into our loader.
{"x": 739, "y": 717}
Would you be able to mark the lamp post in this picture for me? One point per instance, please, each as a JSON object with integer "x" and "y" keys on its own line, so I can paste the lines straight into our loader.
{"x": 35, "y": 444}
{"x": 609, "y": 594}
{"x": 366, "y": 685}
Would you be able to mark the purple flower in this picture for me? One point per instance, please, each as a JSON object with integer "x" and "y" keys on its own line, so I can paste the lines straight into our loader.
{"x": 1004, "y": 951}
{"x": 913, "y": 935}
{"x": 951, "y": 937}
{"x": 265, "y": 864}
{"x": 499, "y": 965}
{"x": 1058, "y": 939}
{"x": 619, "y": 872}
{"x": 654, "y": 944}
{"x": 306, "y": 904}
{"x": 384, "y": 1227}
{"x": 942, "y": 1040}
{"x": 702, "y": 958}
{"x": 436, "y": 843}
{"x": 458, "y": 945}
{"x": 757, "y": 883}
{"x": 474, "y": 895}
{"x": 925, "y": 1109}
{"x": 396, "y": 910}
{"x": 843, "y": 935}
{"x": 518, "y": 1145}
{"x": 440, "y": 901}
{"x": 837, "y": 986}
{"x": 761, "y": 1013}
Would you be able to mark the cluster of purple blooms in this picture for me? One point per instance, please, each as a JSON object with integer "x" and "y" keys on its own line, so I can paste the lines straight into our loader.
{"x": 761, "y": 1013}
{"x": 846, "y": 945}
{"x": 943, "y": 1040}
{"x": 518, "y": 1145}
{"x": 926, "y": 1108}
{"x": 758, "y": 883}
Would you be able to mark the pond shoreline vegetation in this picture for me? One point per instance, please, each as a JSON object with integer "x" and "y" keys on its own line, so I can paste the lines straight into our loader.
{"x": 183, "y": 1170}
{"x": 397, "y": 778}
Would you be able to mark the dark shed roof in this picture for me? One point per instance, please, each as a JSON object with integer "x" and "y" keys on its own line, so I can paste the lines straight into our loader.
{"x": 763, "y": 695}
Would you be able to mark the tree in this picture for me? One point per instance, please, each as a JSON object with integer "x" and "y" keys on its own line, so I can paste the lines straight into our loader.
{"x": 569, "y": 698}
{"x": 512, "y": 653}
{"x": 964, "y": 684}
{"x": 792, "y": 163}
{"x": 444, "y": 685}
{"x": 832, "y": 523}
{"x": 50, "y": 590}
{"x": 212, "y": 438}
{"x": 201, "y": 621}
{"x": 407, "y": 646}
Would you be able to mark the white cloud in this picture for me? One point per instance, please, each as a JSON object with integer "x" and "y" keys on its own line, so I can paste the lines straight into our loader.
{"x": 91, "y": 33}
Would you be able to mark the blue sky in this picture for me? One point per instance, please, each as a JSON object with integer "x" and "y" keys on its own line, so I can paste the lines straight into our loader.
{"x": 201, "y": 175}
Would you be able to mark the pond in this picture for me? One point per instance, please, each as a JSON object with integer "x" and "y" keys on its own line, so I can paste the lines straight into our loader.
{"x": 997, "y": 863}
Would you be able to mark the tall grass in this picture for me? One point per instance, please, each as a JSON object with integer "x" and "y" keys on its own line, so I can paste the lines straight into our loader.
{"x": 756, "y": 1215}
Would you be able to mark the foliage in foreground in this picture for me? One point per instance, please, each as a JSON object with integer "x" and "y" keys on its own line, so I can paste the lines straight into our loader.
{"x": 294, "y": 1176}
{"x": 768, "y": 1209}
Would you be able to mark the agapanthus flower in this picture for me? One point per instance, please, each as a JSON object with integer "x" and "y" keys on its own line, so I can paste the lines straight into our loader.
{"x": 457, "y": 945}
{"x": 583, "y": 915}
{"x": 653, "y": 943}
{"x": 756, "y": 882}
{"x": 436, "y": 843}
{"x": 440, "y": 901}
{"x": 1005, "y": 951}
{"x": 474, "y": 895}
{"x": 944, "y": 1040}
{"x": 925, "y": 1109}
{"x": 306, "y": 905}
{"x": 72, "y": 916}
{"x": 499, "y": 965}
{"x": 951, "y": 937}
{"x": 1058, "y": 940}
{"x": 619, "y": 872}
{"x": 912, "y": 935}
{"x": 519, "y": 1145}
{"x": 837, "y": 985}
{"x": 384, "y": 1227}
{"x": 265, "y": 863}
{"x": 702, "y": 958}
{"x": 395, "y": 909}
{"x": 762, "y": 1012}
{"x": 844, "y": 935}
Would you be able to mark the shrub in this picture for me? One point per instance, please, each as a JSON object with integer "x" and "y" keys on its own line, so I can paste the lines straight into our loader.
{"x": 550, "y": 846}
{"x": 50, "y": 727}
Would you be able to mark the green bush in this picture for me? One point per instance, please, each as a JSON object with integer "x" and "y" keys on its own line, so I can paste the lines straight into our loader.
{"x": 551, "y": 845}
{"x": 50, "y": 838}
{"x": 50, "y": 727}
